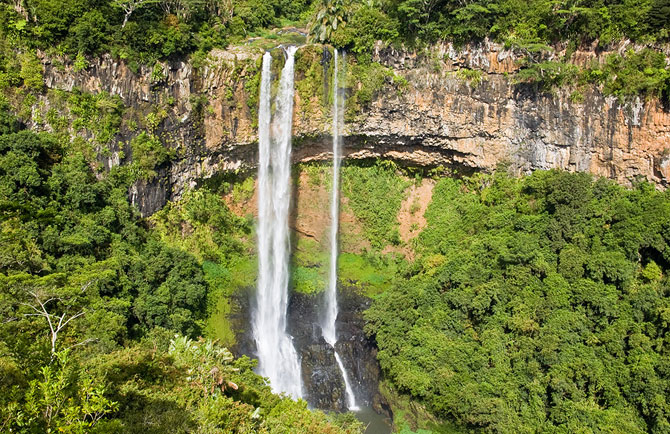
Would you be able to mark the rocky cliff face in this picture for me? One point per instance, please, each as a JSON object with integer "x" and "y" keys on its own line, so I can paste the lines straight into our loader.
{"x": 322, "y": 379}
{"x": 435, "y": 118}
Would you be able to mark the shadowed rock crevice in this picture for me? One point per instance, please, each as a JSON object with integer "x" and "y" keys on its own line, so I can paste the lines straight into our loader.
{"x": 322, "y": 380}
{"x": 321, "y": 377}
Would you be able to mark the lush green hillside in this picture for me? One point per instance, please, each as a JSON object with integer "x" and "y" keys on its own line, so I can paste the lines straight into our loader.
{"x": 141, "y": 32}
{"x": 533, "y": 305}
{"x": 144, "y": 29}
{"x": 539, "y": 304}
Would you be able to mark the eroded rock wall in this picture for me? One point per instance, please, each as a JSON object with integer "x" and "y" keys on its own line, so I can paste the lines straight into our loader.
{"x": 437, "y": 118}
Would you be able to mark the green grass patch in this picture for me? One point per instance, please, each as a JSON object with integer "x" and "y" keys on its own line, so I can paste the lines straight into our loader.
{"x": 308, "y": 280}
{"x": 360, "y": 271}
{"x": 309, "y": 266}
{"x": 223, "y": 281}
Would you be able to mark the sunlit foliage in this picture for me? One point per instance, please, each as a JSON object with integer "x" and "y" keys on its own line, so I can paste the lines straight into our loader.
{"x": 539, "y": 304}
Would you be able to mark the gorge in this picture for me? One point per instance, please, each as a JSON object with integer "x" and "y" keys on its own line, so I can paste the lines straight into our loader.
{"x": 270, "y": 236}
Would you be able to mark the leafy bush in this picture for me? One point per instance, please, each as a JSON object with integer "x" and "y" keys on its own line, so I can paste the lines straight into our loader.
{"x": 31, "y": 72}
{"x": 365, "y": 27}
{"x": 472, "y": 76}
{"x": 548, "y": 75}
{"x": 89, "y": 33}
{"x": 307, "y": 280}
{"x": 148, "y": 153}
{"x": 61, "y": 400}
{"x": 644, "y": 73}
{"x": 202, "y": 225}
{"x": 330, "y": 15}
{"x": 171, "y": 292}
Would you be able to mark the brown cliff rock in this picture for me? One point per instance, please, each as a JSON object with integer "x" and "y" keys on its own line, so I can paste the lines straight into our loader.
{"x": 436, "y": 119}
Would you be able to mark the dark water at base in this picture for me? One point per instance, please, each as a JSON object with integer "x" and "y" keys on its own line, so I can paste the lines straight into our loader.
{"x": 376, "y": 423}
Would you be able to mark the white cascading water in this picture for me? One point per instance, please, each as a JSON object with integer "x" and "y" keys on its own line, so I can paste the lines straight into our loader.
{"x": 277, "y": 357}
{"x": 328, "y": 326}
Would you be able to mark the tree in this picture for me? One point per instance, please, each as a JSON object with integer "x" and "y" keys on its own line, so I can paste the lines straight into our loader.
{"x": 56, "y": 403}
{"x": 130, "y": 6}
{"x": 43, "y": 302}
{"x": 330, "y": 15}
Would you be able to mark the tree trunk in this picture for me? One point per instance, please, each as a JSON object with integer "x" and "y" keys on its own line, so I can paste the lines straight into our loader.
{"x": 125, "y": 19}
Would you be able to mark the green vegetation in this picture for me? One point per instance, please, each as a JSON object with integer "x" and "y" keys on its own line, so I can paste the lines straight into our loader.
{"x": 369, "y": 272}
{"x": 161, "y": 385}
{"x": 100, "y": 113}
{"x": 644, "y": 73}
{"x": 474, "y": 77}
{"x": 366, "y": 23}
{"x": 357, "y": 25}
{"x": 201, "y": 224}
{"x": 310, "y": 79}
{"x": 375, "y": 194}
{"x": 330, "y": 15}
{"x": 98, "y": 310}
{"x": 548, "y": 75}
{"x": 309, "y": 266}
{"x": 368, "y": 78}
{"x": 537, "y": 305}
{"x": 148, "y": 154}
{"x": 140, "y": 31}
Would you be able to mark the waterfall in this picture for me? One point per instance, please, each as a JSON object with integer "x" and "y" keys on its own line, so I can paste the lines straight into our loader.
{"x": 328, "y": 326}
{"x": 277, "y": 357}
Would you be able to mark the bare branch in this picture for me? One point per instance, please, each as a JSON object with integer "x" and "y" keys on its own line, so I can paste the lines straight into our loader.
{"x": 71, "y": 318}
{"x": 63, "y": 319}
{"x": 84, "y": 342}
{"x": 130, "y": 6}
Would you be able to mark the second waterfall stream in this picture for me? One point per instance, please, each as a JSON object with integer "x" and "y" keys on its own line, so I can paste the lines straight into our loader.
{"x": 328, "y": 326}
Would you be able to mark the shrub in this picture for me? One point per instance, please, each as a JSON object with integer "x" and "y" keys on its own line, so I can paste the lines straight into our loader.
{"x": 148, "y": 152}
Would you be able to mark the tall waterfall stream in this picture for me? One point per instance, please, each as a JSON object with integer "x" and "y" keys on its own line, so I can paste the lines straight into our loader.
{"x": 277, "y": 357}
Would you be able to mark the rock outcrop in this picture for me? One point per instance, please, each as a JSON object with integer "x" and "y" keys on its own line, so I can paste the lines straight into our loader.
{"x": 436, "y": 118}
{"x": 322, "y": 379}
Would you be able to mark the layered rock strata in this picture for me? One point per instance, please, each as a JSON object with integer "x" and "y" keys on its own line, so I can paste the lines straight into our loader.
{"x": 436, "y": 118}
